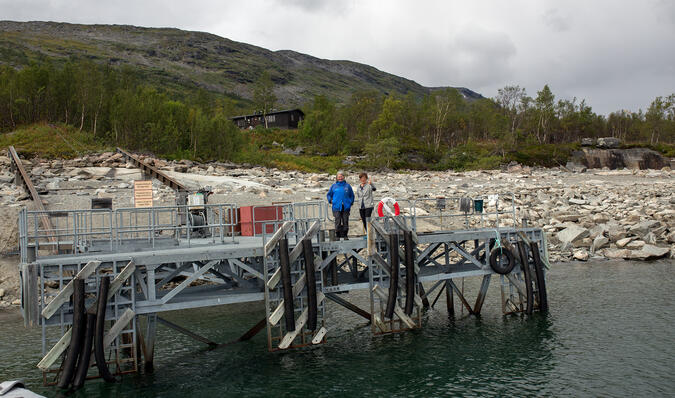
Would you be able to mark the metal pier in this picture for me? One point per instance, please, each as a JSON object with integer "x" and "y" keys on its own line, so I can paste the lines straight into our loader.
{"x": 156, "y": 261}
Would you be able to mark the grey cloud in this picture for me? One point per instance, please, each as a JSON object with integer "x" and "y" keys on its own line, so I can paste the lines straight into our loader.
{"x": 473, "y": 58}
{"x": 555, "y": 21}
{"x": 665, "y": 10}
{"x": 483, "y": 56}
{"x": 314, "y": 6}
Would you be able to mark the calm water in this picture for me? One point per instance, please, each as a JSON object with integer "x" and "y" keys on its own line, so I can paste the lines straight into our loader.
{"x": 610, "y": 332}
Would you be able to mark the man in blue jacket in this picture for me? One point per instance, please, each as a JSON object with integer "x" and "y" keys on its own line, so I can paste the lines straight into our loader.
{"x": 341, "y": 196}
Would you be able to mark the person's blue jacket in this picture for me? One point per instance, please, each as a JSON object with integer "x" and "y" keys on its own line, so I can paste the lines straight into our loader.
{"x": 341, "y": 196}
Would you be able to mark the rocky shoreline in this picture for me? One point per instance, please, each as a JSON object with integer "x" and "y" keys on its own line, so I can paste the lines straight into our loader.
{"x": 593, "y": 214}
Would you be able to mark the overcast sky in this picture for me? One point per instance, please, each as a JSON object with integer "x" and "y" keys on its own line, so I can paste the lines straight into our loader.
{"x": 615, "y": 54}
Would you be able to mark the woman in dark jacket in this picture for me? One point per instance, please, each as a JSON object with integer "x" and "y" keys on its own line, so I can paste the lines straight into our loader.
{"x": 364, "y": 198}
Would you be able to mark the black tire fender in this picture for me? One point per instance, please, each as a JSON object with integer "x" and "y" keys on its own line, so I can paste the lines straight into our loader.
{"x": 527, "y": 276}
{"x": 498, "y": 266}
{"x": 77, "y": 334}
{"x": 393, "y": 280}
{"x": 85, "y": 354}
{"x": 310, "y": 276}
{"x": 99, "y": 349}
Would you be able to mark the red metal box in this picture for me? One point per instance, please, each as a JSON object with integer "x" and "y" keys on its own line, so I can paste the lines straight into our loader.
{"x": 258, "y": 215}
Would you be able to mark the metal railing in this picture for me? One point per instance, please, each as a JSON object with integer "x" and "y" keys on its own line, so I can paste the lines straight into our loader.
{"x": 81, "y": 231}
{"x": 449, "y": 213}
{"x": 445, "y": 213}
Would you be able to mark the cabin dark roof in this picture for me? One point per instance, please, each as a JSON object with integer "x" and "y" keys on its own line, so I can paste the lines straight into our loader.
{"x": 270, "y": 113}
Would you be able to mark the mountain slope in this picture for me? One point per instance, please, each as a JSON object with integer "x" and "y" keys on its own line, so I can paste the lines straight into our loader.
{"x": 182, "y": 59}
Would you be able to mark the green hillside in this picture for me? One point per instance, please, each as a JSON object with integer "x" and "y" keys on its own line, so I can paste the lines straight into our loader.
{"x": 178, "y": 60}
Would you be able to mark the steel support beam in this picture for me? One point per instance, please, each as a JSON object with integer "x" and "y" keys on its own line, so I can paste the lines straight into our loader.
{"x": 339, "y": 300}
{"x": 186, "y": 332}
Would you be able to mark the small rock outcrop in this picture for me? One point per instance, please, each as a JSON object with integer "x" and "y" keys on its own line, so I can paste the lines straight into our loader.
{"x": 608, "y": 143}
{"x": 633, "y": 158}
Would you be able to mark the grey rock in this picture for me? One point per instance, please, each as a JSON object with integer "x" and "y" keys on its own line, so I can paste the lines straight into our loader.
{"x": 572, "y": 233}
{"x": 6, "y": 178}
{"x": 650, "y": 252}
{"x": 567, "y": 217}
{"x": 581, "y": 255}
{"x": 623, "y": 242}
{"x": 643, "y": 227}
{"x": 600, "y": 218}
{"x": 37, "y": 171}
{"x": 587, "y": 142}
{"x": 575, "y": 201}
{"x": 585, "y": 242}
{"x": 635, "y": 245}
{"x": 599, "y": 242}
{"x": 615, "y": 232}
{"x": 2, "y": 293}
{"x": 650, "y": 238}
{"x": 614, "y": 159}
{"x": 514, "y": 167}
{"x": 597, "y": 230}
{"x": 608, "y": 143}
{"x": 617, "y": 253}
{"x": 575, "y": 167}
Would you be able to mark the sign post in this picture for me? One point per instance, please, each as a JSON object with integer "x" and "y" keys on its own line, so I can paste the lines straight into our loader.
{"x": 143, "y": 193}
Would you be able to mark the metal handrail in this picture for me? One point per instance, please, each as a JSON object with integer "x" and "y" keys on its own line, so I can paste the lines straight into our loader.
{"x": 472, "y": 214}
{"x": 82, "y": 227}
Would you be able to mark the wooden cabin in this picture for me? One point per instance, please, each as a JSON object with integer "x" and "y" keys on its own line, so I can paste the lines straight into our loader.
{"x": 287, "y": 119}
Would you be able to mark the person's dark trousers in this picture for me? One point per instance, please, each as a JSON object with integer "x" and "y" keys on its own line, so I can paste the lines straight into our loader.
{"x": 341, "y": 223}
{"x": 365, "y": 214}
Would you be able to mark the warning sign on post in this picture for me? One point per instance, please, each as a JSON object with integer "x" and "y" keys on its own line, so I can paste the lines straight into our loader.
{"x": 143, "y": 193}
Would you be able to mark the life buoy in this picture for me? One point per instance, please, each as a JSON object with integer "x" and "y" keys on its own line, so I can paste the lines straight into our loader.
{"x": 386, "y": 205}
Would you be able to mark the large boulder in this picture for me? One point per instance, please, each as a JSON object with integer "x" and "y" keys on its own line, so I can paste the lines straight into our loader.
{"x": 572, "y": 233}
{"x": 633, "y": 158}
{"x": 575, "y": 167}
{"x": 643, "y": 158}
{"x": 617, "y": 253}
{"x": 599, "y": 242}
{"x": 649, "y": 252}
{"x": 642, "y": 228}
{"x": 608, "y": 143}
{"x": 587, "y": 142}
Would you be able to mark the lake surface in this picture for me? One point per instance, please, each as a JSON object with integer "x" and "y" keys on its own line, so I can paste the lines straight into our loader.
{"x": 610, "y": 332}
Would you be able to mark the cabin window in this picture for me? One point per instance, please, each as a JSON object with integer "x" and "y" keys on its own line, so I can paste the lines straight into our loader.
{"x": 292, "y": 117}
{"x": 270, "y": 118}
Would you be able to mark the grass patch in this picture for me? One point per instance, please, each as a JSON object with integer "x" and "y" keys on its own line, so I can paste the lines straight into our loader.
{"x": 547, "y": 155}
{"x": 667, "y": 150}
{"x": 52, "y": 141}
{"x": 274, "y": 158}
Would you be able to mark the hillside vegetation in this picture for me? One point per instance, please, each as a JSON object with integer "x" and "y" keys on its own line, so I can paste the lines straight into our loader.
{"x": 56, "y": 85}
{"x": 181, "y": 61}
